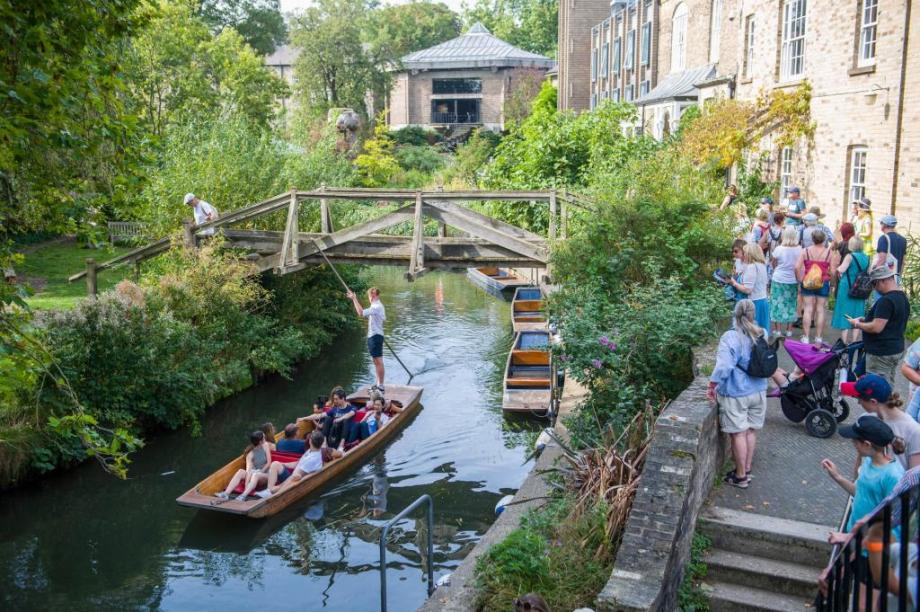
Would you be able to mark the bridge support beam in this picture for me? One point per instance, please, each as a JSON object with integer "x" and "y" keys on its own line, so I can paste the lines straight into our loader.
{"x": 552, "y": 214}
{"x": 417, "y": 260}
{"x": 290, "y": 246}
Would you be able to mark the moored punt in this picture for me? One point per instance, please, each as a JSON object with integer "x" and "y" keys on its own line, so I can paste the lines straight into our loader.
{"x": 529, "y": 374}
{"x": 528, "y": 310}
{"x": 202, "y": 495}
{"x": 497, "y": 281}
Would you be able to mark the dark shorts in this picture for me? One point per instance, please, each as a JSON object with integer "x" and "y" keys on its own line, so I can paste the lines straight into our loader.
{"x": 824, "y": 291}
{"x": 283, "y": 475}
{"x": 375, "y": 345}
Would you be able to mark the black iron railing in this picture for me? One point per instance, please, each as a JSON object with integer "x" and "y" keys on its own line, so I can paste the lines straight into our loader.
{"x": 866, "y": 558}
{"x": 452, "y": 118}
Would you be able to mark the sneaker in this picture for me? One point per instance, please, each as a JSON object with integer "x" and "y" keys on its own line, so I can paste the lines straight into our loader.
{"x": 805, "y": 339}
{"x": 240, "y": 498}
{"x": 381, "y": 389}
{"x": 222, "y": 495}
{"x": 750, "y": 475}
{"x": 264, "y": 493}
{"x": 819, "y": 340}
{"x": 789, "y": 333}
{"x": 741, "y": 483}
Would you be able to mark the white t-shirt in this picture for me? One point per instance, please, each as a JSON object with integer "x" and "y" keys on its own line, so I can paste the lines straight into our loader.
{"x": 201, "y": 210}
{"x": 786, "y": 257}
{"x": 311, "y": 461}
{"x": 755, "y": 276}
{"x": 375, "y": 315}
{"x": 905, "y": 427}
{"x": 384, "y": 419}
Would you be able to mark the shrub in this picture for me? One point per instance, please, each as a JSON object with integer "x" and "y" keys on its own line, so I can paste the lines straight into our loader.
{"x": 414, "y": 135}
{"x": 422, "y": 158}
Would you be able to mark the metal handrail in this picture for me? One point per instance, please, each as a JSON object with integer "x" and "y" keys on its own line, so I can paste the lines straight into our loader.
{"x": 383, "y": 546}
{"x": 841, "y": 577}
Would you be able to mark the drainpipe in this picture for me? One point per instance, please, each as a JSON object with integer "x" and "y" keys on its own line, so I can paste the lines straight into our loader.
{"x": 900, "y": 120}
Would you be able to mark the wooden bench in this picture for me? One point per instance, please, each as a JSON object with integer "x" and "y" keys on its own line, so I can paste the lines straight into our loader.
{"x": 128, "y": 231}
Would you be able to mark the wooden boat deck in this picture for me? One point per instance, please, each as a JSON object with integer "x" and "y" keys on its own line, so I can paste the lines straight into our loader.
{"x": 202, "y": 495}
{"x": 528, "y": 310}
{"x": 529, "y": 376}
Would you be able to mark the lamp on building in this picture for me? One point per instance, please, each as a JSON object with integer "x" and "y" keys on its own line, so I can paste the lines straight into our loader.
{"x": 871, "y": 94}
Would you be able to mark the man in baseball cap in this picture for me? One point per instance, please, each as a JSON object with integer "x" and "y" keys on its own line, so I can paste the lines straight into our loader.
{"x": 892, "y": 246}
{"x": 795, "y": 207}
{"x": 203, "y": 211}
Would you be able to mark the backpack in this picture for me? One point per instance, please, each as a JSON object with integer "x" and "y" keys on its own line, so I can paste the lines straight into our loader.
{"x": 890, "y": 260}
{"x": 861, "y": 287}
{"x": 764, "y": 361}
{"x": 814, "y": 276}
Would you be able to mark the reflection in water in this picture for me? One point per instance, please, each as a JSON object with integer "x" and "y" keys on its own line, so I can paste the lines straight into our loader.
{"x": 84, "y": 540}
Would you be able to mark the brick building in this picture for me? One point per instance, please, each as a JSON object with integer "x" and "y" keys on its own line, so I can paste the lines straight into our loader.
{"x": 858, "y": 56}
{"x": 576, "y": 20}
{"x": 624, "y": 56}
{"x": 462, "y": 82}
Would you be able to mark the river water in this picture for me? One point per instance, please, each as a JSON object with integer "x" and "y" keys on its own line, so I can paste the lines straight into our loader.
{"x": 85, "y": 540}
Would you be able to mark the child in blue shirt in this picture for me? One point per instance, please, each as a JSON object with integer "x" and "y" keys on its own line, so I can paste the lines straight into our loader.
{"x": 877, "y": 473}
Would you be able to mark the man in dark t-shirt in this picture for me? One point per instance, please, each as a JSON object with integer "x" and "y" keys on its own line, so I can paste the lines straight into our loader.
{"x": 883, "y": 328}
{"x": 892, "y": 246}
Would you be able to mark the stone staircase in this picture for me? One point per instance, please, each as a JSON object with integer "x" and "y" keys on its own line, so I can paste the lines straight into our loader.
{"x": 760, "y": 563}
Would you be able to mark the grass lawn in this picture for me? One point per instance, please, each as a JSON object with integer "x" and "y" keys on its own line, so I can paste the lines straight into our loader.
{"x": 46, "y": 269}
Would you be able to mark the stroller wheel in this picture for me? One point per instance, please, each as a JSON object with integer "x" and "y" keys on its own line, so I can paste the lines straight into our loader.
{"x": 794, "y": 410}
{"x": 842, "y": 410}
{"x": 820, "y": 423}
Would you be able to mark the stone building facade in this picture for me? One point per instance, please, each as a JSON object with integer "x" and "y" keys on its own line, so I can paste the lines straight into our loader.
{"x": 624, "y": 52}
{"x": 462, "y": 82}
{"x": 859, "y": 57}
{"x": 576, "y": 20}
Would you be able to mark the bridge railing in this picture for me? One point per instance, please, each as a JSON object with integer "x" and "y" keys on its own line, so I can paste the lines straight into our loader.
{"x": 292, "y": 201}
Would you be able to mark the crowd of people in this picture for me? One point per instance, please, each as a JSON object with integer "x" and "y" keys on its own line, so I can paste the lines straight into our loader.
{"x": 787, "y": 266}
{"x": 334, "y": 428}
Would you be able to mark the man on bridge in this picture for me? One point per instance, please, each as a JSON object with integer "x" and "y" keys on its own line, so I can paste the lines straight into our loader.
{"x": 203, "y": 212}
{"x": 375, "y": 315}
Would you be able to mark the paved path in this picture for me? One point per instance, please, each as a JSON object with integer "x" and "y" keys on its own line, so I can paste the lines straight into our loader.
{"x": 788, "y": 479}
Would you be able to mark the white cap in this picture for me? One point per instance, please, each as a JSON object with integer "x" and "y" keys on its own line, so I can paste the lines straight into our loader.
{"x": 189, "y": 197}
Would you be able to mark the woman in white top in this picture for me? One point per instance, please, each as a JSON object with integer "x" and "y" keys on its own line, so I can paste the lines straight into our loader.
{"x": 784, "y": 290}
{"x": 753, "y": 283}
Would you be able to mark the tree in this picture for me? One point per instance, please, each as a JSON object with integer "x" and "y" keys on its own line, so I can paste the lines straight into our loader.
{"x": 258, "y": 21}
{"x": 179, "y": 72}
{"x": 335, "y": 67}
{"x": 531, "y": 25}
{"x": 395, "y": 31}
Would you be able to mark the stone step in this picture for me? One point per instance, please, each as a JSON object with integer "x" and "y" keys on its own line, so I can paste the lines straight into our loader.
{"x": 727, "y": 597}
{"x": 768, "y": 574}
{"x": 766, "y": 536}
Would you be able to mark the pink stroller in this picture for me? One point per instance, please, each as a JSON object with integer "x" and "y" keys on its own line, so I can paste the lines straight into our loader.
{"x": 815, "y": 397}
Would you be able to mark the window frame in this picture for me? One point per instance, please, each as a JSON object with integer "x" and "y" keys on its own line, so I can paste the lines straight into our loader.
{"x": 715, "y": 30}
{"x": 750, "y": 25}
{"x": 605, "y": 60}
{"x": 867, "y": 28}
{"x": 786, "y": 157}
{"x": 793, "y": 33}
{"x": 617, "y": 54}
{"x": 679, "y": 21}
{"x": 630, "y": 49}
{"x": 856, "y": 188}
{"x": 593, "y": 64}
{"x": 645, "y": 52}
{"x": 435, "y": 92}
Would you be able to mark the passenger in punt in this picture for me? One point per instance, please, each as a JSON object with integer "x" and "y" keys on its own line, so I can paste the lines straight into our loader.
{"x": 257, "y": 462}
{"x": 282, "y": 476}
{"x": 372, "y": 421}
{"x": 336, "y": 424}
{"x": 269, "y": 430}
{"x": 290, "y": 443}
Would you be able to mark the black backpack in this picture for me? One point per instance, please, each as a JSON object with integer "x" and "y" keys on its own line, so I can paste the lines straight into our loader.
{"x": 764, "y": 361}
{"x": 861, "y": 287}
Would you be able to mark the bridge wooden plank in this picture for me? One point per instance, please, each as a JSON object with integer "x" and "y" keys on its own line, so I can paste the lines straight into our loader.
{"x": 417, "y": 259}
{"x": 357, "y": 231}
{"x": 485, "y": 220}
{"x": 487, "y": 228}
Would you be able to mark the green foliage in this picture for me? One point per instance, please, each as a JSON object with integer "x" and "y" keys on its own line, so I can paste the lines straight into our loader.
{"x": 422, "y": 158}
{"x": 414, "y": 135}
{"x": 690, "y": 597}
{"x": 377, "y": 164}
{"x": 259, "y": 21}
{"x": 335, "y": 68}
{"x": 179, "y": 72}
{"x": 532, "y": 25}
{"x": 397, "y": 30}
{"x": 566, "y": 561}
{"x": 470, "y": 159}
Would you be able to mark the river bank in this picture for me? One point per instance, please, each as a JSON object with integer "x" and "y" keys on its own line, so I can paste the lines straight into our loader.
{"x": 460, "y": 450}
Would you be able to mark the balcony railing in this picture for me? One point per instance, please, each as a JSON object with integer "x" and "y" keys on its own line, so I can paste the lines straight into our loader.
{"x": 454, "y": 118}
{"x": 882, "y": 551}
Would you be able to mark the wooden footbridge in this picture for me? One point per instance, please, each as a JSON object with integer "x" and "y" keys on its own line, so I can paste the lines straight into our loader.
{"x": 482, "y": 240}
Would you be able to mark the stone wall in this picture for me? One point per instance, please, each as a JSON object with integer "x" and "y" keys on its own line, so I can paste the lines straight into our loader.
{"x": 576, "y": 18}
{"x": 685, "y": 455}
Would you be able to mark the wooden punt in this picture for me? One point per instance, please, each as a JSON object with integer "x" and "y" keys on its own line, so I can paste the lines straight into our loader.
{"x": 497, "y": 281}
{"x": 528, "y": 310}
{"x": 529, "y": 374}
{"x": 202, "y": 495}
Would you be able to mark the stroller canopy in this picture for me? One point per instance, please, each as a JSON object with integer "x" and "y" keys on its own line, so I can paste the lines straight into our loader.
{"x": 809, "y": 357}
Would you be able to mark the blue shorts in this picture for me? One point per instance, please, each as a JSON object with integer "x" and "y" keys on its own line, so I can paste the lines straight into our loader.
{"x": 375, "y": 345}
{"x": 824, "y": 291}
{"x": 283, "y": 474}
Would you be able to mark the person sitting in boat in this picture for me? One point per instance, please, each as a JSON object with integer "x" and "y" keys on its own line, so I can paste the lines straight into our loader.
{"x": 269, "y": 430}
{"x": 373, "y": 420}
{"x": 257, "y": 462}
{"x": 289, "y": 443}
{"x": 336, "y": 423}
{"x": 282, "y": 476}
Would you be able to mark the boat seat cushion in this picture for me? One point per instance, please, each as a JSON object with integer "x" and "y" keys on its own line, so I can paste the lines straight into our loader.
{"x": 276, "y": 456}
